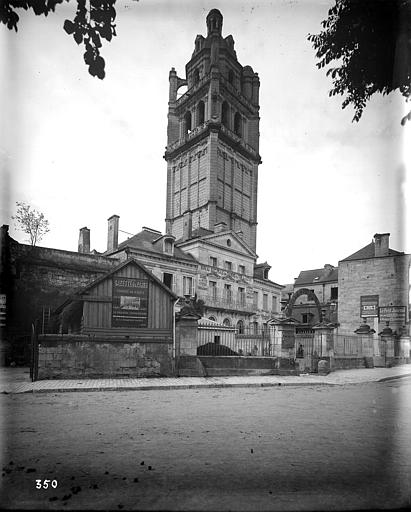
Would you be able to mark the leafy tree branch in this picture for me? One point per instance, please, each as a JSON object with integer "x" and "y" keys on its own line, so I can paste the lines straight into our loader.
{"x": 31, "y": 222}
{"x": 94, "y": 21}
{"x": 368, "y": 45}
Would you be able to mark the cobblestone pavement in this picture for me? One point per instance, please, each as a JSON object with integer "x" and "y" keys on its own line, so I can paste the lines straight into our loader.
{"x": 16, "y": 380}
{"x": 263, "y": 448}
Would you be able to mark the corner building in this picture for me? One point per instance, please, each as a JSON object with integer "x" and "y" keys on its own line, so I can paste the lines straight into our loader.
{"x": 212, "y": 148}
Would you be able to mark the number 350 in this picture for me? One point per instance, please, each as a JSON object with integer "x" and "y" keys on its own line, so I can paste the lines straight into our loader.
{"x": 44, "y": 484}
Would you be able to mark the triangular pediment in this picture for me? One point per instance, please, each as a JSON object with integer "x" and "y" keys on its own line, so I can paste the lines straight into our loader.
{"x": 227, "y": 240}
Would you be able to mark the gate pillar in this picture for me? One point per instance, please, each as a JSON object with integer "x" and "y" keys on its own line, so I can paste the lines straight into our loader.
{"x": 368, "y": 349}
{"x": 186, "y": 334}
{"x": 386, "y": 346}
{"x": 282, "y": 335}
{"x": 323, "y": 343}
{"x": 404, "y": 347}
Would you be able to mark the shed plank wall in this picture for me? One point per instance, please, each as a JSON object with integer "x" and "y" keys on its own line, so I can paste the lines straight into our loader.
{"x": 97, "y": 314}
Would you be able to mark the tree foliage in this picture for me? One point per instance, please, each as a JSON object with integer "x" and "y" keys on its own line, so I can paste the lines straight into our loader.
{"x": 368, "y": 43}
{"x": 31, "y": 221}
{"x": 93, "y": 21}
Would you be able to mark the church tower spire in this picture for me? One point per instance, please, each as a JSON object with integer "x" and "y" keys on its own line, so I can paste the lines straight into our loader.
{"x": 212, "y": 150}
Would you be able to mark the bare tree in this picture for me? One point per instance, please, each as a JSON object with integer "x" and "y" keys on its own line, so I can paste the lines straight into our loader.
{"x": 31, "y": 221}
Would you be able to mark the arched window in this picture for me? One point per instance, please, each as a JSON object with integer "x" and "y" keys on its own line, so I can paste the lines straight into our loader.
{"x": 237, "y": 124}
{"x": 231, "y": 77}
{"x": 187, "y": 122}
{"x": 200, "y": 112}
{"x": 212, "y": 318}
{"x": 224, "y": 114}
{"x": 196, "y": 76}
{"x": 226, "y": 322}
{"x": 254, "y": 327}
{"x": 240, "y": 327}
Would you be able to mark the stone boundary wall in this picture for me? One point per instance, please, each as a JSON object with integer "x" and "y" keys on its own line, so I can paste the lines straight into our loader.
{"x": 65, "y": 357}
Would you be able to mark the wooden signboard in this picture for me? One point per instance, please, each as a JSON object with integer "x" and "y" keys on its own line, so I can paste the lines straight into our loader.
{"x": 130, "y": 302}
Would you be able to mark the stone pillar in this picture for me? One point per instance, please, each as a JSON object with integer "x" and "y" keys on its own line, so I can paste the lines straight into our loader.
{"x": 186, "y": 334}
{"x": 367, "y": 339}
{"x": 405, "y": 345}
{"x": 282, "y": 336}
{"x": 386, "y": 347}
{"x": 323, "y": 344}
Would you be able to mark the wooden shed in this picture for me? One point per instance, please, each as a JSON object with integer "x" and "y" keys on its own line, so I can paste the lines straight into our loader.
{"x": 127, "y": 301}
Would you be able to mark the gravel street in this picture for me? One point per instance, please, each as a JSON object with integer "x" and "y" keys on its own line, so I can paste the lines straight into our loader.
{"x": 280, "y": 448}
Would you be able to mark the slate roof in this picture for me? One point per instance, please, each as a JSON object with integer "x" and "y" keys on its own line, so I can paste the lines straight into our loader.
{"x": 368, "y": 252}
{"x": 151, "y": 242}
{"x": 316, "y": 276}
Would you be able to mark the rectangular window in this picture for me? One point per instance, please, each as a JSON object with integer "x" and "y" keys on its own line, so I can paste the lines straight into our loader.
{"x": 265, "y": 302}
{"x": 213, "y": 261}
{"x": 228, "y": 265}
{"x": 213, "y": 289}
{"x": 168, "y": 280}
{"x": 274, "y": 304}
{"x": 241, "y": 296}
{"x": 188, "y": 285}
{"x": 334, "y": 293}
{"x": 255, "y": 300}
{"x": 241, "y": 269}
{"x": 227, "y": 292}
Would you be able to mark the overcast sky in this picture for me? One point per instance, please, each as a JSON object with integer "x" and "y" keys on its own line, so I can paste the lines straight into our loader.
{"x": 80, "y": 149}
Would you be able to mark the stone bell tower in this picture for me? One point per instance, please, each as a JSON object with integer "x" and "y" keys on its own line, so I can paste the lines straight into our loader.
{"x": 212, "y": 150}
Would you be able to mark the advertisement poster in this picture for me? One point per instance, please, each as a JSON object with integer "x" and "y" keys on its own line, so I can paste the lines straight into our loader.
{"x": 130, "y": 302}
{"x": 369, "y": 305}
{"x": 393, "y": 314}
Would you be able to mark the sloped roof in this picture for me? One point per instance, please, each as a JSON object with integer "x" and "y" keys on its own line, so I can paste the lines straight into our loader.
{"x": 320, "y": 275}
{"x": 368, "y": 252}
{"x": 151, "y": 242}
{"x": 78, "y": 294}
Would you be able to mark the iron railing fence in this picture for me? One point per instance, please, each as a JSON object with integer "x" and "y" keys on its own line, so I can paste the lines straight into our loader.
{"x": 229, "y": 341}
{"x": 353, "y": 346}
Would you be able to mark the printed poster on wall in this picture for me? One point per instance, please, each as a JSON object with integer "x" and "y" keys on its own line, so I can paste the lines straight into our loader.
{"x": 130, "y": 302}
{"x": 369, "y": 305}
{"x": 393, "y": 314}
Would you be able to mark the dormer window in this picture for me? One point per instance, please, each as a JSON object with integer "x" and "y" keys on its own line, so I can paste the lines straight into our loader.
{"x": 168, "y": 246}
{"x": 265, "y": 273}
{"x": 196, "y": 76}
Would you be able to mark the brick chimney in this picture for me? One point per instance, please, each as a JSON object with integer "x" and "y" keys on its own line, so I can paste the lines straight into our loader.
{"x": 187, "y": 225}
{"x": 84, "y": 241}
{"x": 381, "y": 243}
{"x": 112, "y": 236}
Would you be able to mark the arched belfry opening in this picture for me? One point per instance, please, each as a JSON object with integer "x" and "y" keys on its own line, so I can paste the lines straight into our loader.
{"x": 200, "y": 113}
{"x": 238, "y": 129}
{"x": 224, "y": 114}
{"x": 187, "y": 122}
